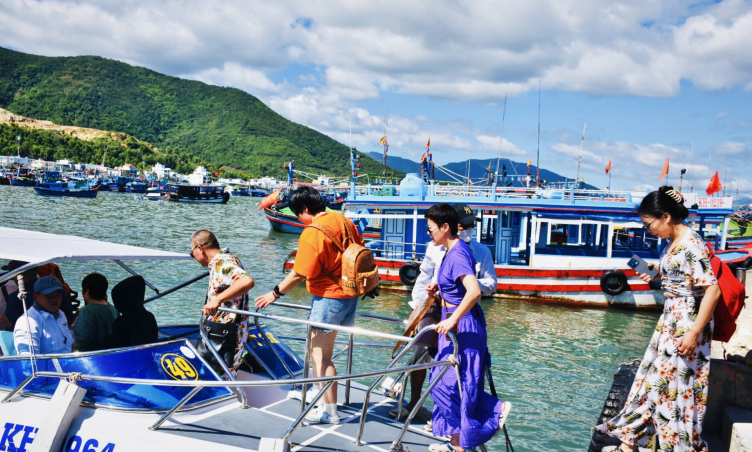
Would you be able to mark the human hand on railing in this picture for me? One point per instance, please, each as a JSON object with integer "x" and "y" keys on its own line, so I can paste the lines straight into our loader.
{"x": 445, "y": 326}
{"x": 210, "y": 308}
{"x": 431, "y": 289}
{"x": 265, "y": 300}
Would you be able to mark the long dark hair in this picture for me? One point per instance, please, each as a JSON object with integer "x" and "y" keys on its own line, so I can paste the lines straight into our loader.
{"x": 664, "y": 200}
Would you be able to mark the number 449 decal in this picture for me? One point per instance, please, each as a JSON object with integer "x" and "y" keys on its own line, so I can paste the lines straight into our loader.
{"x": 178, "y": 367}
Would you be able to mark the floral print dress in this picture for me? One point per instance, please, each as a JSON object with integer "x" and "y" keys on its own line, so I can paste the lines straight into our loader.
{"x": 224, "y": 270}
{"x": 669, "y": 394}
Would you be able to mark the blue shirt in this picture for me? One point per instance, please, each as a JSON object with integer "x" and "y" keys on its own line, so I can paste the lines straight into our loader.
{"x": 458, "y": 262}
{"x": 48, "y": 333}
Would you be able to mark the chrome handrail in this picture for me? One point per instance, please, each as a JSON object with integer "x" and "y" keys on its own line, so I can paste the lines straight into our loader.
{"x": 453, "y": 360}
{"x": 219, "y": 359}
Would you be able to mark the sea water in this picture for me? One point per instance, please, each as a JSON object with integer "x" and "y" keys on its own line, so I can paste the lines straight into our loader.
{"x": 554, "y": 363}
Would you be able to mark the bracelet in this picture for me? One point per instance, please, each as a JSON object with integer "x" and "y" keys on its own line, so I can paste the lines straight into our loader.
{"x": 276, "y": 292}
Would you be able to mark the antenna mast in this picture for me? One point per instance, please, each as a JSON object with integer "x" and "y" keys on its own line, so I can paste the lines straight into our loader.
{"x": 501, "y": 143}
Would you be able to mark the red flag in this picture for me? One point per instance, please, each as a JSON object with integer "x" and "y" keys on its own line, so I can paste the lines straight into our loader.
{"x": 271, "y": 199}
{"x": 428, "y": 143}
{"x": 664, "y": 173}
{"x": 715, "y": 185}
{"x": 608, "y": 168}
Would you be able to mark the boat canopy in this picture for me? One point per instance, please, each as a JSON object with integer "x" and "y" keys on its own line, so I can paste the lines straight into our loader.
{"x": 40, "y": 247}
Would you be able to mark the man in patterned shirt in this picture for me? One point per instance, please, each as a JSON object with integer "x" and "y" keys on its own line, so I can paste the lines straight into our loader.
{"x": 229, "y": 284}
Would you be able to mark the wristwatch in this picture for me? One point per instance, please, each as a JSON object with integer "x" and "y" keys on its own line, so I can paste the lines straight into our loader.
{"x": 276, "y": 292}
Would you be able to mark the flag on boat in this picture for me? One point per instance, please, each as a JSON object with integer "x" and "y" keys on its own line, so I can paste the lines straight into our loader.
{"x": 383, "y": 140}
{"x": 608, "y": 167}
{"x": 422, "y": 157}
{"x": 529, "y": 162}
{"x": 271, "y": 199}
{"x": 428, "y": 144}
{"x": 664, "y": 173}
{"x": 715, "y": 185}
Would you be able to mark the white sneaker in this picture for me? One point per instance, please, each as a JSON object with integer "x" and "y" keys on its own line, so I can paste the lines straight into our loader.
{"x": 320, "y": 416}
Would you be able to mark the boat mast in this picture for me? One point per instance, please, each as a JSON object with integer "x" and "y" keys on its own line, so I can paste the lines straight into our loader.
{"x": 537, "y": 161}
{"x": 579, "y": 159}
{"x": 501, "y": 143}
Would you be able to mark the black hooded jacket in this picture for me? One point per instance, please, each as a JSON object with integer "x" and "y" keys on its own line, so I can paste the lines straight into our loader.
{"x": 136, "y": 325}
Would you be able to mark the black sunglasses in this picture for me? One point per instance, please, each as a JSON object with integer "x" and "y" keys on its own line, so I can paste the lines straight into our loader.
{"x": 191, "y": 253}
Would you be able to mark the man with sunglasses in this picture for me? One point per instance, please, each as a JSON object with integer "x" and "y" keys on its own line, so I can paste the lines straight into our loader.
{"x": 229, "y": 284}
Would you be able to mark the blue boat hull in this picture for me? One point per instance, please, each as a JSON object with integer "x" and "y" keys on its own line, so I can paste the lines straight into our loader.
{"x": 283, "y": 223}
{"x": 67, "y": 193}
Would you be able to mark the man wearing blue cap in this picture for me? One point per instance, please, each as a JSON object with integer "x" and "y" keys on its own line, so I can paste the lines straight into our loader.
{"x": 46, "y": 327}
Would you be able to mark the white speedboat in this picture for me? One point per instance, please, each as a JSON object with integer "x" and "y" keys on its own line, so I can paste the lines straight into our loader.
{"x": 164, "y": 396}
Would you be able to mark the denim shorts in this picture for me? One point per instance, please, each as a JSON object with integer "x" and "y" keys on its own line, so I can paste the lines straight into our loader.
{"x": 333, "y": 311}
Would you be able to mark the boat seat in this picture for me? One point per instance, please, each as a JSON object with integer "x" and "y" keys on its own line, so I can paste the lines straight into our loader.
{"x": 6, "y": 343}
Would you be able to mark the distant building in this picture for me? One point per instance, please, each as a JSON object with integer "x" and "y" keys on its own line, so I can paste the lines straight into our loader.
{"x": 199, "y": 176}
{"x": 12, "y": 160}
{"x": 161, "y": 171}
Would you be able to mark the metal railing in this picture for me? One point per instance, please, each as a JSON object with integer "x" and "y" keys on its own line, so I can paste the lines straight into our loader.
{"x": 327, "y": 381}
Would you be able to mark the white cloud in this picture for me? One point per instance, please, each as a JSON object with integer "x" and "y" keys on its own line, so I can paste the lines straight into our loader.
{"x": 729, "y": 148}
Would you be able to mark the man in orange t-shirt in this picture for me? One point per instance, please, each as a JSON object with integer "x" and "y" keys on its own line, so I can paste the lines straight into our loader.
{"x": 329, "y": 305}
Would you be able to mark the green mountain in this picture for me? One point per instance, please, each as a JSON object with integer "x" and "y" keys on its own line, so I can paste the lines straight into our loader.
{"x": 186, "y": 122}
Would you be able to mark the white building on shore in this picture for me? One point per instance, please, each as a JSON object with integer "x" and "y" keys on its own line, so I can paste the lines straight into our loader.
{"x": 199, "y": 176}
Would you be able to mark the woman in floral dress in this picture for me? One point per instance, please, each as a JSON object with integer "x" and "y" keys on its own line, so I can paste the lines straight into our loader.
{"x": 669, "y": 394}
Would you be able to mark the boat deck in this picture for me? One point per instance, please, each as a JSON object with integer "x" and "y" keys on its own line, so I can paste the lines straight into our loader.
{"x": 245, "y": 428}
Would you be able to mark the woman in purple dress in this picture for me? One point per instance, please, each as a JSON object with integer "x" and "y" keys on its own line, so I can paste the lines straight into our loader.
{"x": 470, "y": 417}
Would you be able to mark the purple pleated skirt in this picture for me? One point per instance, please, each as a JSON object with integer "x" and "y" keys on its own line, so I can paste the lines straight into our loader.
{"x": 475, "y": 415}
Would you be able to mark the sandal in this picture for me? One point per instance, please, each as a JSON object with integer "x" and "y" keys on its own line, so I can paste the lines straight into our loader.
{"x": 446, "y": 447}
{"x": 506, "y": 407}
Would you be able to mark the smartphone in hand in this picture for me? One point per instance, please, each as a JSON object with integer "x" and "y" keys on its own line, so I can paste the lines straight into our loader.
{"x": 639, "y": 265}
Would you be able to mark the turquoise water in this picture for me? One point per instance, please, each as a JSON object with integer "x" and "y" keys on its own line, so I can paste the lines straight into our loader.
{"x": 555, "y": 364}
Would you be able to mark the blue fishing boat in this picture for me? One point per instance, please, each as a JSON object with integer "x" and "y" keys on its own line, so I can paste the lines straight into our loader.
{"x": 166, "y": 394}
{"x": 211, "y": 194}
{"x": 136, "y": 186}
{"x": 78, "y": 189}
{"x": 23, "y": 177}
{"x": 559, "y": 245}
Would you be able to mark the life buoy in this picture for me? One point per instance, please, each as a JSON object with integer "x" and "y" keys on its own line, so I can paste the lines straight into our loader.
{"x": 409, "y": 272}
{"x": 614, "y": 282}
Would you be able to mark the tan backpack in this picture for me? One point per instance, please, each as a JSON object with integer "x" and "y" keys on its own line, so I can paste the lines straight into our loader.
{"x": 359, "y": 274}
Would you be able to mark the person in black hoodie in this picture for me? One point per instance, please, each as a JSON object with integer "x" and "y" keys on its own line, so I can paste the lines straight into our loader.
{"x": 136, "y": 325}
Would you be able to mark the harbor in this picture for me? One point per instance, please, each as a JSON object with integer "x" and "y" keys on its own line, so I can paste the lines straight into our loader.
{"x": 527, "y": 340}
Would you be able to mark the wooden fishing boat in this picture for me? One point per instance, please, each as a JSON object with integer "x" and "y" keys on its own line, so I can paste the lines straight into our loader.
{"x": 212, "y": 194}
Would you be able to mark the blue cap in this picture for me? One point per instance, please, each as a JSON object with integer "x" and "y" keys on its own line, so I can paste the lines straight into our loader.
{"x": 47, "y": 285}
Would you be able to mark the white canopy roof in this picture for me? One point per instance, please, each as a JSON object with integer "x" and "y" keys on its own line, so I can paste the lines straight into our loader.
{"x": 40, "y": 247}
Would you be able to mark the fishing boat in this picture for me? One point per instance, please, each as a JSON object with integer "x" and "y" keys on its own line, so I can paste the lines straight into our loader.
{"x": 215, "y": 194}
{"x": 282, "y": 219}
{"x": 23, "y": 177}
{"x": 68, "y": 192}
{"x": 239, "y": 190}
{"x": 563, "y": 246}
{"x": 52, "y": 184}
{"x": 165, "y": 396}
{"x": 257, "y": 191}
{"x": 136, "y": 186}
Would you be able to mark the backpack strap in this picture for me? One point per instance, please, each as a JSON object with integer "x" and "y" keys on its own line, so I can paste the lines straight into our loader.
{"x": 327, "y": 231}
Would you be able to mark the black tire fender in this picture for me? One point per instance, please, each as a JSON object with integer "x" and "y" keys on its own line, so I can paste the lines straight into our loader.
{"x": 409, "y": 272}
{"x": 615, "y": 401}
{"x": 607, "y": 282}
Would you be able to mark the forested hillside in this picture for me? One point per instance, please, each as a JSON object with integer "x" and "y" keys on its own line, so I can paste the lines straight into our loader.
{"x": 188, "y": 121}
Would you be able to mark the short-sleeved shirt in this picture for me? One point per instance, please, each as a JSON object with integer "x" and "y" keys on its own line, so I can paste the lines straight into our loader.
{"x": 93, "y": 326}
{"x": 686, "y": 270}
{"x": 316, "y": 251}
{"x": 224, "y": 270}
{"x": 458, "y": 262}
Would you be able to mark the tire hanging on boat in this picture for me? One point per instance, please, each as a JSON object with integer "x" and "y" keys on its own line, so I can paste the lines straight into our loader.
{"x": 409, "y": 272}
{"x": 607, "y": 281}
{"x": 615, "y": 401}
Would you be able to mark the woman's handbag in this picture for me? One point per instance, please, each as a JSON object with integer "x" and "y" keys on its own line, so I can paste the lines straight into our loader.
{"x": 427, "y": 313}
{"x": 224, "y": 338}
